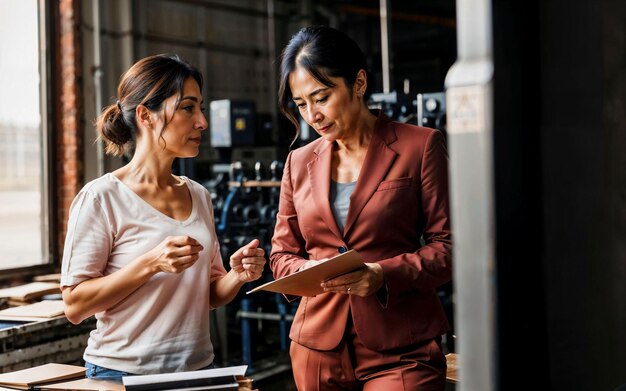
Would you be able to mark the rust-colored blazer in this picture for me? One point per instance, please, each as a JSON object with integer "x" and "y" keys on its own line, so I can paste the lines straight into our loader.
{"x": 400, "y": 196}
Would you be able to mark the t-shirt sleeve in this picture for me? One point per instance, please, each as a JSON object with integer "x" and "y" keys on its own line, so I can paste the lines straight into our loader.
{"x": 88, "y": 241}
{"x": 217, "y": 265}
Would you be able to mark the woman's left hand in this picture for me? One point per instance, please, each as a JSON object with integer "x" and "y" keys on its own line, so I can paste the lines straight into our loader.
{"x": 248, "y": 262}
{"x": 363, "y": 282}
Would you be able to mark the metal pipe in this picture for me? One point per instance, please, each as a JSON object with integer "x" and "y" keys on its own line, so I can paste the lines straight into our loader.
{"x": 385, "y": 31}
{"x": 282, "y": 326}
{"x": 271, "y": 40}
{"x": 246, "y": 333}
{"x": 244, "y": 314}
{"x": 97, "y": 80}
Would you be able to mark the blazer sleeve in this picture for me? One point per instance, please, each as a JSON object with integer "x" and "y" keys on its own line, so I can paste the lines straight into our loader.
{"x": 431, "y": 265}
{"x": 288, "y": 245}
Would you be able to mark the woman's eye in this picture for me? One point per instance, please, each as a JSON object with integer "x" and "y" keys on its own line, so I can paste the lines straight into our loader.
{"x": 301, "y": 105}
{"x": 203, "y": 109}
{"x": 188, "y": 108}
{"x": 322, "y": 100}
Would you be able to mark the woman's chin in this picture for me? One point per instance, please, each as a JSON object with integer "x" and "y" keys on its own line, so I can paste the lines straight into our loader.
{"x": 188, "y": 154}
{"x": 329, "y": 137}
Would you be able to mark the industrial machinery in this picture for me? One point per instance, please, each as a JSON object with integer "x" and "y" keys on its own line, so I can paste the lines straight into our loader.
{"x": 396, "y": 106}
{"x": 431, "y": 110}
{"x": 245, "y": 204}
{"x": 245, "y": 189}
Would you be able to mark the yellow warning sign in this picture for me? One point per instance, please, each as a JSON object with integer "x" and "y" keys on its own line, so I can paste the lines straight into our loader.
{"x": 240, "y": 124}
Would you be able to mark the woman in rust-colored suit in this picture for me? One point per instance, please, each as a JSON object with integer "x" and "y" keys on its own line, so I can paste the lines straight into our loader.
{"x": 375, "y": 186}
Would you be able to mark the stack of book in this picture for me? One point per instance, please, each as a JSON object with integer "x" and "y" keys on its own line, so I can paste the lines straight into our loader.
{"x": 26, "y": 294}
{"x": 37, "y": 377}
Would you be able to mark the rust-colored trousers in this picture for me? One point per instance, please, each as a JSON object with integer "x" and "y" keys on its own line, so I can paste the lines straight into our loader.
{"x": 352, "y": 366}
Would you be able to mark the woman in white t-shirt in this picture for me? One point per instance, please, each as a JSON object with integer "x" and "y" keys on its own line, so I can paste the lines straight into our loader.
{"x": 141, "y": 252}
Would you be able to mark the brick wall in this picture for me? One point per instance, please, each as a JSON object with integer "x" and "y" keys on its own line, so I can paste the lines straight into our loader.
{"x": 69, "y": 134}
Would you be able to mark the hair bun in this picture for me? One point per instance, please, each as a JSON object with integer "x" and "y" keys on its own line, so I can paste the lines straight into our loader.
{"x": 114, "y": 130}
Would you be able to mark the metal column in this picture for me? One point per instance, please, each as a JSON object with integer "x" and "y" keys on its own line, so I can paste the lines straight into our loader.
{"x": 470, "y": 129}
{"x": 385, "y": 44}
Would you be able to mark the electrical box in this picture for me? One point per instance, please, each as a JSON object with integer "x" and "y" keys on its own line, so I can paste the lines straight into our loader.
{"x": 232, "y": 123}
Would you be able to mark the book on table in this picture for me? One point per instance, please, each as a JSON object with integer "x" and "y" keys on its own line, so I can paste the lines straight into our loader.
{"x": 83, "y": 385}
{"x": 30, "y": 291}
{"x": 26, "y": 379}
{"x": 41, "y": 310}
{"x": 206, "y": 379}
{"x": 54, "y": 277}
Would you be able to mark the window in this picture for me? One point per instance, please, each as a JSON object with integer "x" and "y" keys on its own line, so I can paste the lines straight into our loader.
{"x": 23, "y": 195}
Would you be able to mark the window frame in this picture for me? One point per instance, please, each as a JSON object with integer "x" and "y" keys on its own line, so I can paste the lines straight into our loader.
{"x": 47, "y": 63}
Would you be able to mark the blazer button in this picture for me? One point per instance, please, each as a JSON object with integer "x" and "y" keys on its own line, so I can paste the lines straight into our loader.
{"x": 342, "y": 250}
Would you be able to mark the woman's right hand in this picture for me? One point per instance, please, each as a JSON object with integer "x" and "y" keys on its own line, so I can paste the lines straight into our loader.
{"x": 175, "y": 254}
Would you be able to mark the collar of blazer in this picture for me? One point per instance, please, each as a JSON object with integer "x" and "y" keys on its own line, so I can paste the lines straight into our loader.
{"x": 378, "y": 160}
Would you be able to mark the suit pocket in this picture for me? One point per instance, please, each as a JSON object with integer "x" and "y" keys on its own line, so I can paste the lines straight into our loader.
{"x": 398, "y": 183}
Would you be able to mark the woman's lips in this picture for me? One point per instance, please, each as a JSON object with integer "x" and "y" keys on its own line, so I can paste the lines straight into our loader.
{"x": 324, "y": 129}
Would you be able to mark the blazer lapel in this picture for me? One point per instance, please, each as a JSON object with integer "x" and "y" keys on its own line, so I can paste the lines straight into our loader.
{"x": 319, "y": 176}
{"x": 378, "y": 161}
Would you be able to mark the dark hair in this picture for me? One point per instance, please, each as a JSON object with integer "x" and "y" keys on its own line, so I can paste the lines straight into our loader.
{"x": 149, "y": 82}
{"x": 324, "y": 52}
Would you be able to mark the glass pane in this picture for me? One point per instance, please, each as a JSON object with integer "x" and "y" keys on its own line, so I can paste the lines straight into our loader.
{"x": 21, "y": 230}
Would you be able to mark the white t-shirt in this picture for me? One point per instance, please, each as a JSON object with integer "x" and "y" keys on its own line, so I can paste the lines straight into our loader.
{"x": 163, "y": 326}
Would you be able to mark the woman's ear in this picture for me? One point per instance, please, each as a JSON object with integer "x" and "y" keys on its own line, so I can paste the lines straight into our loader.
{"x": 360, "y": 84}
{"x": 143, "y": 116}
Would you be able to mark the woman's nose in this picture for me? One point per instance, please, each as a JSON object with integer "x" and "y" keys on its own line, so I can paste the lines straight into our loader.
{"x": 202, "y": 122}
{"x": 314, "y": 116}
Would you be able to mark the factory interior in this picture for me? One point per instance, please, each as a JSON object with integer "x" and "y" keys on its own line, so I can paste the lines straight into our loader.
{"x": 530, "y": 98}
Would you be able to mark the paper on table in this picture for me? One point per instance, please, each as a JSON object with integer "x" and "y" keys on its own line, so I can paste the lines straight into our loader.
{"x": 307, "y": 282}
{"x": 190, "y": 379}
